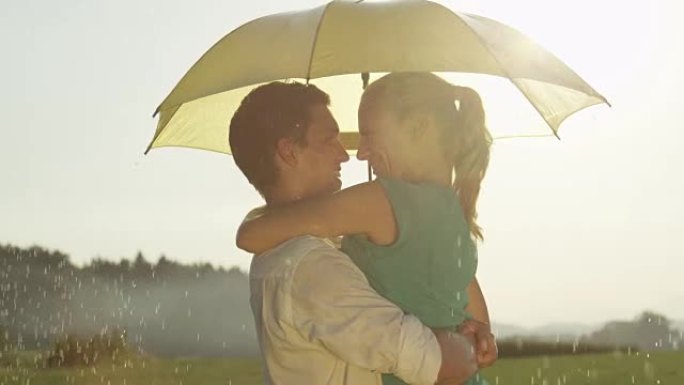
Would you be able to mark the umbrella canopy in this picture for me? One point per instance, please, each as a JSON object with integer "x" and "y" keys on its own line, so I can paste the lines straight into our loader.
{"x": 332, "y": 44}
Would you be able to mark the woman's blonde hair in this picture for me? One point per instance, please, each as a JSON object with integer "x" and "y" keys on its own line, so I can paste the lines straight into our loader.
{"x": 460, "y": 116}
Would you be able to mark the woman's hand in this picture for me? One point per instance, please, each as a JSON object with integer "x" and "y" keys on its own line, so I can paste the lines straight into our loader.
{"x": 486, "y": 351}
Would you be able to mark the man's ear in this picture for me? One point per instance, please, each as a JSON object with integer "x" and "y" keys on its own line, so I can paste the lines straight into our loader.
{"x": 286, "y": 151}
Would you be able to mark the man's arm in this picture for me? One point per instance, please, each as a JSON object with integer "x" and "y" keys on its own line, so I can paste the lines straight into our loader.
{"x": 333, "y": 304}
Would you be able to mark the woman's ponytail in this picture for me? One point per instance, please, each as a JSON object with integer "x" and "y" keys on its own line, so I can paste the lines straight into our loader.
{"x": 472, "y": 142}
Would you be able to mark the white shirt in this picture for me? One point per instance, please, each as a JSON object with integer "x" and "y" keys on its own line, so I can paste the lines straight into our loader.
{"x": 319, "y": 322}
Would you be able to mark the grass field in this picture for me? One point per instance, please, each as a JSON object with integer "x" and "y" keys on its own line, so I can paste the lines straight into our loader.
{"x": 605, "y": 369}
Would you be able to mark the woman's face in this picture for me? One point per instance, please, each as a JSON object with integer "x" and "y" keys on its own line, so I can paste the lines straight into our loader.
{"x": 384, "y": 142}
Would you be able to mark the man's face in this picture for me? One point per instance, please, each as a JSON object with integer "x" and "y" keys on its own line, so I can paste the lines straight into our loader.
{"x": 320, "y": 159}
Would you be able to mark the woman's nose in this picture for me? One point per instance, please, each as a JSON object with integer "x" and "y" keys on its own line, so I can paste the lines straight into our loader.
{"x": 362, "y": 152}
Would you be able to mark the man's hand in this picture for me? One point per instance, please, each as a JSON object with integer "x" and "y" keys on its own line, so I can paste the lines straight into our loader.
{"x": 458, "y": 358}
{"x": 485, "y": 342}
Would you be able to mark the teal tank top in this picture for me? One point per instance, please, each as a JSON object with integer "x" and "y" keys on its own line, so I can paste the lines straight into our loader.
{"x": 427, "y": 270}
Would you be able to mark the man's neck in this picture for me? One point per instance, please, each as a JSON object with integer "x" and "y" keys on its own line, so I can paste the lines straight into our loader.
{"x": 283, "y": 195}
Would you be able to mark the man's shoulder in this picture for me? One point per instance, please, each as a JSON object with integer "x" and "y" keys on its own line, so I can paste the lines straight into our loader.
{"x": 300, "y": 245}
{"x": 287, "y": 256}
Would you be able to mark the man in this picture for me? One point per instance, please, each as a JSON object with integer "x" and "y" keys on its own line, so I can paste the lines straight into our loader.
{"x": 318, "y": 320}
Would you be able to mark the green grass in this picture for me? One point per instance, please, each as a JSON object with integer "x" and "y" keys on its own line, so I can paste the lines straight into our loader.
{"x": 605, "y": 369}
{"x": 666, "y": 368}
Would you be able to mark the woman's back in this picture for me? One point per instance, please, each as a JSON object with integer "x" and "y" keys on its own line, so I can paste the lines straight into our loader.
{"x": 427, "y": 270}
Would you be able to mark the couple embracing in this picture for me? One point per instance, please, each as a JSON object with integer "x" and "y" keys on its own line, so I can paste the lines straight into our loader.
{"x": 398, "y": 301}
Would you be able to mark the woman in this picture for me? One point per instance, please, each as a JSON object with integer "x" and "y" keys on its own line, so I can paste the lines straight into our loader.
{"x": 412, "y": 231}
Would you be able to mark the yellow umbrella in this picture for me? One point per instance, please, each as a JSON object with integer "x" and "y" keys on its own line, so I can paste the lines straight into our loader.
{"x": 332, "y": 44}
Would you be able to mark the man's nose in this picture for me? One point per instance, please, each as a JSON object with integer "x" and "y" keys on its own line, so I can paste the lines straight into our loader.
{"x": 343, "y": 156}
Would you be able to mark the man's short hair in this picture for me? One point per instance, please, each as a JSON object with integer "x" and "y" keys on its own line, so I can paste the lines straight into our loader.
{"x": 267, "y": 114}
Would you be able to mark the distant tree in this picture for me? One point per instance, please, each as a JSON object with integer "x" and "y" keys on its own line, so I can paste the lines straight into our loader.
{"x": 652, "y": 329}
{"x": 203, "y": 270}
{"x": 104, "y": 268}
{"x": 235, "y": 272}
{"x": 648, "y": 331}
{"x": 125, "y": 265}
{"x": 167, "y": 267}
{"x": 141, "y": 268}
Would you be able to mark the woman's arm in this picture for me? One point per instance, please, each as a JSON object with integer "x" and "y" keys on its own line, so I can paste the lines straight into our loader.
{"x": 485, "y": 342}
{"x": 477, "y": 306}
{"x": 360, "y": 209}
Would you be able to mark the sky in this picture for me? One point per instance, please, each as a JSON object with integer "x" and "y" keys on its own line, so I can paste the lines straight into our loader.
{"x": 582, "y": 230}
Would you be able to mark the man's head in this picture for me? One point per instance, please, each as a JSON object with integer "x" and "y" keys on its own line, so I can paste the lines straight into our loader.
{"x": 283, "y": 137}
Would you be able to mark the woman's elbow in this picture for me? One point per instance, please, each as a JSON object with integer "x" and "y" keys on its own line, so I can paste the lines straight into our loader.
{"x": 244, "y": 241}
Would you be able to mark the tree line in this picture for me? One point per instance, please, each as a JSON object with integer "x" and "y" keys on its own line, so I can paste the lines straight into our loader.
{"x": 166, "y": 308}
{"x": 172, "y": 309}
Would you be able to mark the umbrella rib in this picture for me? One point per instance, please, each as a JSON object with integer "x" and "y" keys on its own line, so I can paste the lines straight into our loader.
{"x": 503, "y": 69}
{"x": 315, "y": 41}
{"x": 159, "y": 131}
